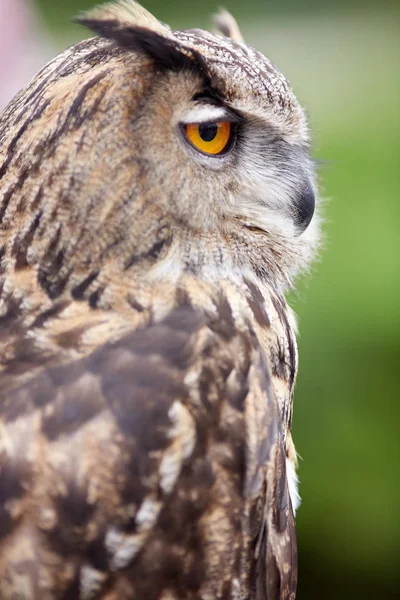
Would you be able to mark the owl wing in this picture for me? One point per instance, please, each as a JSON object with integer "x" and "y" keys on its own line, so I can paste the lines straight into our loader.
{"x": 273, "y": 574}
{"x": 276, "y": 565}
{"x": 152, "y": 468}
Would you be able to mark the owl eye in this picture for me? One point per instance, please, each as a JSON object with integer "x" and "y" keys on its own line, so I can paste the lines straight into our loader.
{"x": 210, "y": 138}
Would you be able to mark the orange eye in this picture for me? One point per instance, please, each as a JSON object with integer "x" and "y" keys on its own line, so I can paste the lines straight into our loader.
{"x": 211, "y": 138}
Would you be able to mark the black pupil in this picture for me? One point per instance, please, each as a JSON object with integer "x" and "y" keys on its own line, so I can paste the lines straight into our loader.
{"x": 208, "y": 132}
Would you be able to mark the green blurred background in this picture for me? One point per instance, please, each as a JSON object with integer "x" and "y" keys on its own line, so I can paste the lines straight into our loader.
{"x": 342, "y": 59}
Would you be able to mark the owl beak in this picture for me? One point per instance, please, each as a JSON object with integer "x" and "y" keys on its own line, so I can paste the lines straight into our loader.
{"x": 304, "y": 209}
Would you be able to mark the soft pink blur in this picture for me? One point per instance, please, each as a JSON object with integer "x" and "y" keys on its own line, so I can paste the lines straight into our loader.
{"x": 24, "y": 48}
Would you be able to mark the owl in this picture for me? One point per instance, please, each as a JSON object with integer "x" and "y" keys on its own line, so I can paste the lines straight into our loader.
{"x": 156, "y": 203}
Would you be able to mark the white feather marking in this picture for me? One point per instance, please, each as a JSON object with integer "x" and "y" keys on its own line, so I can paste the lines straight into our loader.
{"x": 91, "y": 581}
{"x": 184, "y": 427}
{"x": 170, "y": 468}
{"x": 205, "y": 114}
{"x": 192, "y": 376}
{"x": 147, "y": 514}
{"x": 183, "y": 435}
{"x": 293, "y": 484}
{"x": 122, "y": 548}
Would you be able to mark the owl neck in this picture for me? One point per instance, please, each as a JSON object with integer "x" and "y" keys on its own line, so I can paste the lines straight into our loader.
{"x": 189, "y": 269}
{"x": 164, "y": 269}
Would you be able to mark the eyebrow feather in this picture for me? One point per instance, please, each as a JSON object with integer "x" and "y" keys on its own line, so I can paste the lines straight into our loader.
{"x": 206, "y": 113}
{"x": 210, "y": 112}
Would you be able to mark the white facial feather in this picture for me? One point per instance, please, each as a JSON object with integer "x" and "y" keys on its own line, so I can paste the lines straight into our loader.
{"x": 204, "y": 114}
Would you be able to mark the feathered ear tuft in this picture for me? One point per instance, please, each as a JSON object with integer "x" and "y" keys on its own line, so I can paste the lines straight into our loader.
{"x": 226, "y": 24}
{"x": 132, "y": 27}
{"x": 124, "y": 14}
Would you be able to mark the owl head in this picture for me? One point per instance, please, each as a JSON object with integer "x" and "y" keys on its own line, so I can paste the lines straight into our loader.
{"x": 161, "y": 151}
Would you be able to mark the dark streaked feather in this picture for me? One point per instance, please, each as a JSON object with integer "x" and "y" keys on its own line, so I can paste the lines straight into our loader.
{"x": 96, "y": 431}
{"x": 167, "y": 52}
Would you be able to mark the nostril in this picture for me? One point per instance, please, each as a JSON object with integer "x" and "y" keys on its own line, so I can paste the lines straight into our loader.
{"x": 304, "y": 208}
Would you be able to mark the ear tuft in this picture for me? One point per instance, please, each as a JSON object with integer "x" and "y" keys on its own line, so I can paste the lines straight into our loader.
{"x": 134, "y": 28}
{"x": 124, "y": 14}
{"x": 227, "y": 25}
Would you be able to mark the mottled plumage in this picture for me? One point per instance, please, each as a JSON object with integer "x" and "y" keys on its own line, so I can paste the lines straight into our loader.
{"x": 147, "y": 353}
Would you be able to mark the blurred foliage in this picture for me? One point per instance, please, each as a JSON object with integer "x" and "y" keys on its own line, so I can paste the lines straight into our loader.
{"x": 343, "y": 60}
{"x": 58, "y": 13}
